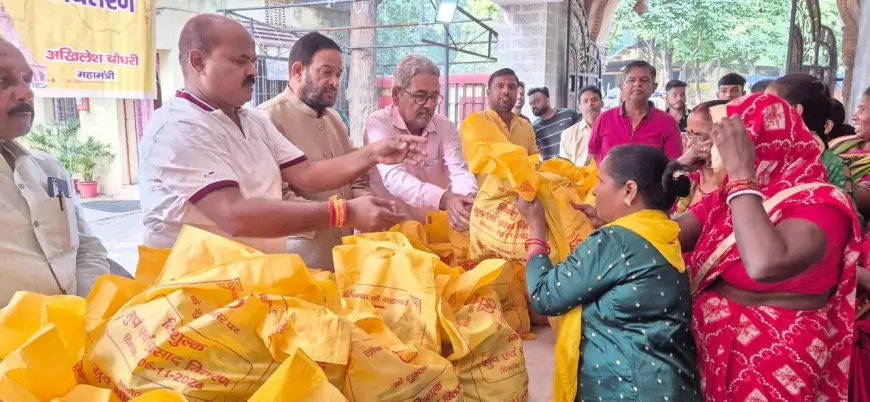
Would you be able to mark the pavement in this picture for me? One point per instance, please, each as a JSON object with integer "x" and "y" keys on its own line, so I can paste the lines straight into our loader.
{"x": 121, "y": 234}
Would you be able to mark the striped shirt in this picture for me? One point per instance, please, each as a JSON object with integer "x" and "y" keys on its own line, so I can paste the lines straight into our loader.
{"x": 548, "y": 133}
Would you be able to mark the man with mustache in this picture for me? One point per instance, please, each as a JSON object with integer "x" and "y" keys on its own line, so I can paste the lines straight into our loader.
{"x": 675, "y": 95}
{"x": 443, "y": 181}
{"x": 636, "y": 120}
{"x": 304, "y": 114}
{"x": 209, "y": 162}
{"x": 575, "y": 140}
{"x": 501, "y": 92}
{"x": 45, "y": 242}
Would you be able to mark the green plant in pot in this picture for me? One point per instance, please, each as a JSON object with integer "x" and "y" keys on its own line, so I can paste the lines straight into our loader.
{"x": 90, "y": 155}
{"x": 60, "y": 140}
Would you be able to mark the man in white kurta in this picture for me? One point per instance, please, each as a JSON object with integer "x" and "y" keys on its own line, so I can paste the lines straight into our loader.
{"x": 45, "y": 244}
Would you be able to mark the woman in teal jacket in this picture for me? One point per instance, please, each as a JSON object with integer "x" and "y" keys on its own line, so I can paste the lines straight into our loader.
{"x": 630, "y": 280}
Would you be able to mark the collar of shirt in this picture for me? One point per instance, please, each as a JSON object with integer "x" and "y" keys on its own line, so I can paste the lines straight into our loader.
{"x": 686, "y": 112}
{"x": 493, "y": 115}
{"x": 399, "y": 122}
{"x": 14, "y": 148}
{"x": 623, "y": 111}
{"x": 300, "y": 105}
{"x": 184, "y": 94}
{"x": 583, "y": 124}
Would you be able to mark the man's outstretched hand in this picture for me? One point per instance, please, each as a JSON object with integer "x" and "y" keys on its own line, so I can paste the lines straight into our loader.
{"x": 372, "y": 214}
{"x": 399, "y": 149}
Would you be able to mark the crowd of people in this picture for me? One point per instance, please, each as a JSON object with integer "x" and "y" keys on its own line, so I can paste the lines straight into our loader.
{"x": 725, "y": 263}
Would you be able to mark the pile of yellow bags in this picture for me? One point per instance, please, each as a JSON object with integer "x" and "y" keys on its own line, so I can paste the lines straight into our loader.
{"x": 437, "y": 237}
{"x": 215, "y": 320}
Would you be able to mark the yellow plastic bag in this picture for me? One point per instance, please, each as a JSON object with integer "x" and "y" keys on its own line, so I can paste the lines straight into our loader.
{"x": 497, "y": 228}
{"x": 397, "y": 279}
{"x": 487, "y": 353}
{"x": 109, "y": 294}
{"x": 90, "y": 393}
{"x": 29, "y": 313}
{"x": 383, "y": 367}
{"x": 41, "y": 369}
{"x": 298, "y": 379}
{"x": 53, "y": 349}
{"x": 217, "y": 331}
{"x": 446, "y": 241}
{"x": 151, "y": 261}
{"x": 509, "y": 286}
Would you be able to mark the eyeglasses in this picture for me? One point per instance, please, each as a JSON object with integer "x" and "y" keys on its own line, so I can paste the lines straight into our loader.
{"x": 422, "y": 99}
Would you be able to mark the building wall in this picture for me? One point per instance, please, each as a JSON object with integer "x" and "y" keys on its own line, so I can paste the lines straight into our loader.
{"x": 105, "y": 122}
{"x": 532, "y": 41}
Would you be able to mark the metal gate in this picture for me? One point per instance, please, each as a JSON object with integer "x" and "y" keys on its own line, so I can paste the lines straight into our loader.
{"x": 812, "y": 46}
{"x": 465, "y": 98}
{"x": 583, "y": 60}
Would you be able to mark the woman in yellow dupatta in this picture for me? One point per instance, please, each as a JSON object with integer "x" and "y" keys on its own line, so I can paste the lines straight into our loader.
{"x": 630, "y": 279}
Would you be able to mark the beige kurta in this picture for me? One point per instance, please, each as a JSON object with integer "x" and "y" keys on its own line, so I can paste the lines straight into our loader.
{"x": 319, "y": 137}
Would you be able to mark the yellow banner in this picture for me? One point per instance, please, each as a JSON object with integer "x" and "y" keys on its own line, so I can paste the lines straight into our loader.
{"x": 85, "y": 48}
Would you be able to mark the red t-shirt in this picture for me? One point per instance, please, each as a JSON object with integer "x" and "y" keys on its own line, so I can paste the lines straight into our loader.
{"x": 613, "y": 128}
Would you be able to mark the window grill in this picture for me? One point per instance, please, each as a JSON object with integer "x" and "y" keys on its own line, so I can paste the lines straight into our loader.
{"x": 64, "y": 109}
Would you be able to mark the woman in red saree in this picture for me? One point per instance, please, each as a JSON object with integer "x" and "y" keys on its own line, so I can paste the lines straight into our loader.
{"x": 774, "y": 264}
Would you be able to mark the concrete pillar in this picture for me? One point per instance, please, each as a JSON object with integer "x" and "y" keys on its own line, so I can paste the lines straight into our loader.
{"x": 861, "y": 68}
{"x": 532, "y": 40}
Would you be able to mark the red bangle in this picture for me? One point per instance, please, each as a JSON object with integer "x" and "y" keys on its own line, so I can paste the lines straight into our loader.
{"x": 337, "y": 212}
{"x": 741, "y": 184}
{"x": 538, "y": 242}
{"x": 734, "y": 189}
{"x": 332, "y": 215}
{"x": 341, "y": 221}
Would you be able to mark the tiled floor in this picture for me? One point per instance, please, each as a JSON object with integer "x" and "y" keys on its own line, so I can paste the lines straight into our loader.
{"x": 539, "y": 363}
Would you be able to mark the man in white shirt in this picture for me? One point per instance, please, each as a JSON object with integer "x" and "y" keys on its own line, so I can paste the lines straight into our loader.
{"x": 209, "y": 162}
{"x": 575, "y": 139}
{"x": 45, "y": 244}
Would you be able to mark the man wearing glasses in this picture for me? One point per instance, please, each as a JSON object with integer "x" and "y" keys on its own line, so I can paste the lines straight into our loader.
{"x": 442, "y": 181}
{"x": 636, "y": 120}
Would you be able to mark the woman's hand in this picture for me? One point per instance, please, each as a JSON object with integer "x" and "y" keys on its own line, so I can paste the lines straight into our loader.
{"x": 533, "y": 211}
{"x": 591, "y": 213}
{"x": 697, "y": 153}
{"x": 737, "y": 151}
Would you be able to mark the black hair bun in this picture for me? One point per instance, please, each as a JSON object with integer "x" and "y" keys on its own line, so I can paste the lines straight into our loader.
{"x": 675, "y": 181}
